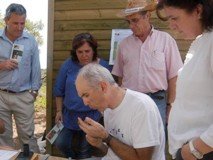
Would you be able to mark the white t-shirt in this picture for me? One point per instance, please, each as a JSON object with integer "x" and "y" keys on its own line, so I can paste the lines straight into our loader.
{"x": 192, "y": 112}
{"x": 136, "y": 122}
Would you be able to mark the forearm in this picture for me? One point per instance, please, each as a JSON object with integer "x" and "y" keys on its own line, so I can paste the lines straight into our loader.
{"x": 59, "y": 104}
{"x": 171, "y": 89}
{"x": 2, "y": 128}
{"x": 102, "y": 150}
{"x": 201, "y": 146}
{"x": 126, "y": 152}
{"x": 1, "y": 66}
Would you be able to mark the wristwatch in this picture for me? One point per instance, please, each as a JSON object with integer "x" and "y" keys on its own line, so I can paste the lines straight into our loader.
{"x": 108, "y": 139}
{"x": 195, "y": 152}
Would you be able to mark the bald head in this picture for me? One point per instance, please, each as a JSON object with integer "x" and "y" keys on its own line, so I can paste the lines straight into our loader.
{"x": 94, "y": 73}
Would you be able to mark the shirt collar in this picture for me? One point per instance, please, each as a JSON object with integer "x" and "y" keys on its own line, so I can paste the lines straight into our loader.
{"x": 3, "y": 35}
{"x": 150, "y": 33}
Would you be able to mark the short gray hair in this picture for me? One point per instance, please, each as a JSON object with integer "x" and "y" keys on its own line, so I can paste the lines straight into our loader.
{"x": 15, "y": 8}
{"x": 95, "y": 73}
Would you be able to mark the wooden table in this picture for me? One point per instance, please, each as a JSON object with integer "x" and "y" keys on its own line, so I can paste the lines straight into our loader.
{"x": 35, "y": 155}
{"x": 41, "y": 157}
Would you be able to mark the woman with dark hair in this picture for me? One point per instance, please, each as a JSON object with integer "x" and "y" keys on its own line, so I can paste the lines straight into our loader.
{"x": 190, "y": 128}
{"x": 69, "y": 106}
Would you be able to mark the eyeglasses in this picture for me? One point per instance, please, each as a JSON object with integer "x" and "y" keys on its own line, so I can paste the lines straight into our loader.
{"x": 83, "y": 36}
{"x": 134, "y": 20}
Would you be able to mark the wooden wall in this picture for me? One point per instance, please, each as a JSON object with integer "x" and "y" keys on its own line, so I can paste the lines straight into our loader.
{"x": 70, "y": 17}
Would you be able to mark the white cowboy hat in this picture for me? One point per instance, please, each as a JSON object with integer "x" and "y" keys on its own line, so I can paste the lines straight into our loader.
{"x": 134, "y": 6}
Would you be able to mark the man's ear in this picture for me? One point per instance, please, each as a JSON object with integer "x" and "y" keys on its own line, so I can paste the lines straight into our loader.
{"x": 148, "y": 14}
{"x": 103, "y": 86}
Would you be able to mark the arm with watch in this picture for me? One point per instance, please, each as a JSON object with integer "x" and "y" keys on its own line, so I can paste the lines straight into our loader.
{"x": 195, "y": 149}
{"x": 97, "y": 136}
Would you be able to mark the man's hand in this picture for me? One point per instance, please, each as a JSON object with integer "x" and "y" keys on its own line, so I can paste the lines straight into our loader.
{"x": 92, "y": 128}
{"x": 96, "y": 142}
{"x": 9, "y": 64}
{"x": 34, "y": 93}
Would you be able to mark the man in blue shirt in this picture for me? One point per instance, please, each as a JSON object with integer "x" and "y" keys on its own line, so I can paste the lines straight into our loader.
{"x": 20, "y": 78}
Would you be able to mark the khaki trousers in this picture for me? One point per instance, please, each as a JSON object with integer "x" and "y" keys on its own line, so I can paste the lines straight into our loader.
{"x": 21, "y": 106}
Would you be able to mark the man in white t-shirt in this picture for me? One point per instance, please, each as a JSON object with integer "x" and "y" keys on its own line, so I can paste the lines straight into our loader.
{"x": 133, "y": 126}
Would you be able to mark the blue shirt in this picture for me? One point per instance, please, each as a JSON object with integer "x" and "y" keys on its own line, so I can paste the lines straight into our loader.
{"x": 28, "y": 74}
{"x": 73, "y": 106}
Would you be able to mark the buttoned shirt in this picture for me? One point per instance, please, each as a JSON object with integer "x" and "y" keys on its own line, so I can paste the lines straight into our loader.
{"x": 147, "y": 66}
{"x": 73, "y": 105}
{"x": 191, "y": 115}
{"x": 28, "y": 74}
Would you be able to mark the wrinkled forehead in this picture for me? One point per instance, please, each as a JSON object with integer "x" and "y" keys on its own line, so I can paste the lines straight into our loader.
{"x": 132, "y": 16}
{"x": 81, "y": 84}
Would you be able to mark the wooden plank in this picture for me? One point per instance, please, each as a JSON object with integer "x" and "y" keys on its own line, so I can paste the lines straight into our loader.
{"x": 183, "y": 44}
{"x": 89, "y": 25}
{"x": 91, "y": 4}
{"x": 62, "y": 55}
{"x": 105, "y": 44}
{"x": 83, "y": 14}
{"x": 69, "y": 35}
{"x": 159, "y": 24}
{"x": 66, "y": 45}
{"x": 99, "y": 24}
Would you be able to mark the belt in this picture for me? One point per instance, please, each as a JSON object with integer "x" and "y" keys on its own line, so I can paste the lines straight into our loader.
{"x": 156, "y": 94}
{"x": 9, "y": 91}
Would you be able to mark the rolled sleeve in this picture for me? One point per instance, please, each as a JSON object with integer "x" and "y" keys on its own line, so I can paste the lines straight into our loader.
{"x": 59, "y": 88}
{"x": 36, "y": 69}
{"x": 207, "y": 136}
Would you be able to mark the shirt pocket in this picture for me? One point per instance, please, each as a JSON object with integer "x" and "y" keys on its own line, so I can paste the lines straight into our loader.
{"x": 26, "y": 61}
{"x": 158, "y": 60}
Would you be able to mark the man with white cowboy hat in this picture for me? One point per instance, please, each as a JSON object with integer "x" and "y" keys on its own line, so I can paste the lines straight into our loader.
{"x": 148, "y": 60}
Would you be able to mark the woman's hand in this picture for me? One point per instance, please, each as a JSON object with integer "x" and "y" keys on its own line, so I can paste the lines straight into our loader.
{"x": 58, "y": 117}
{"x": 186, "y": 154}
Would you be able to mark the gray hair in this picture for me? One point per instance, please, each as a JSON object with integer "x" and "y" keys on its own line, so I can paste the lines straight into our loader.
{"x": 95, "y": 73}
{"x": 15, "y": 8}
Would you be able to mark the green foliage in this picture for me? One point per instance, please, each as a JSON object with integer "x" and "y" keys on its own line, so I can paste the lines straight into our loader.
{"x": 32, "y": 27}
{"x": 1, "y": 21}
{"x": 40, "y": 103}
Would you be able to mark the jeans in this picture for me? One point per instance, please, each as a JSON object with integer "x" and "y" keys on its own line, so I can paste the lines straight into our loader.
{"x": 160, "y": 100}
{"x": 73, "y": 144}
{"x": 208, "y": 156}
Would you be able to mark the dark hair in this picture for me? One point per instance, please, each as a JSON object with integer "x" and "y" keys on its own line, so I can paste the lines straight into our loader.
{"x": 143, "y": 13}
{"x": 80, "y": 40}
{"x": 189, "y": 6}
{"x": 15, "y": 8}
